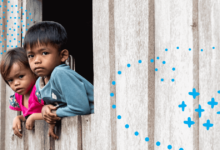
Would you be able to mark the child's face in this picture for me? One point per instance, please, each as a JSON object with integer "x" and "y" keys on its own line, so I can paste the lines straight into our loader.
{"x": 43, "y": 59}
{"x": 21, "y": 79}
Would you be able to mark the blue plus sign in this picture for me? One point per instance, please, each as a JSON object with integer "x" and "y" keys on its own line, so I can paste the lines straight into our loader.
{"x": 199, "y": 110}
{"x": 189, "y": 122}
{"x": 183, "y": 105}
{"x": 194, "y": 93}
{"x": 208, "y": 124}
{"x": 212, "y": 103}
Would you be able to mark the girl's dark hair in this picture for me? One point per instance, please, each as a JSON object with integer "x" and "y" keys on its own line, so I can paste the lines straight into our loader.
{"x": 46, "y": 32}
{"x": 15, "y": 55}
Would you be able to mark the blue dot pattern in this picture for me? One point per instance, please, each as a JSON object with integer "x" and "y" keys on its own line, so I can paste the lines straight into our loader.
{"x": 151, "y": 60}
{"x": 112, "y": 94}
{"x": 158, "y": 143}
{"x": 136, "y": 133}
{"x": 128, "y": 65}
{"x": 147, "y": 139}
{"x": 169, "y": 147}
{"x": 126, "y": 126}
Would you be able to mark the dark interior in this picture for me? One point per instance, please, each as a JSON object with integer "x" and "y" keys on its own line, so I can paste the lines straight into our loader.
{"x": 76, "y": 17}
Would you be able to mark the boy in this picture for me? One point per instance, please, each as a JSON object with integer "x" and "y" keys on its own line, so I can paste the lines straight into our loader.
{"x": 58, "y": 85}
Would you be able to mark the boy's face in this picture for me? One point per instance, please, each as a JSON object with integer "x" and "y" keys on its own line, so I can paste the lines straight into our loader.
{"x": 43, "y": 59}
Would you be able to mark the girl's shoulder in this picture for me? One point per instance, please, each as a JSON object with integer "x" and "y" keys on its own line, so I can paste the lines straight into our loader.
{"x": 14, "y": 100}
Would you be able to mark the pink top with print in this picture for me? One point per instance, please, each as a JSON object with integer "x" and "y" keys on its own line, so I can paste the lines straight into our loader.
{"x": 34, "y": 104}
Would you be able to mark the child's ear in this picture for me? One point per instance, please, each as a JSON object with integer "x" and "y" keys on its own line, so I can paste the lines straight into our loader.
{"x": 64, "y": 54}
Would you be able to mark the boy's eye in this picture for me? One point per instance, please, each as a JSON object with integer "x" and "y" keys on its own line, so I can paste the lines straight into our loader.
{"x": 21, "y": 76}
{"x": 45, "y": 53}
{"x": 30, "y": 56}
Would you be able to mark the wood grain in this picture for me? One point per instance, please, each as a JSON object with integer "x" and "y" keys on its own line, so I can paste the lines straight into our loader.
{"x": 103, "y": 53}
{"x": 208, "y": 72}
{"x": 131, "y": 45}
{"x": 2, "y": 82}
{"x": 173, "y": 20}
{"x": 11, "y": 142}
{"x": 70, "y": 134}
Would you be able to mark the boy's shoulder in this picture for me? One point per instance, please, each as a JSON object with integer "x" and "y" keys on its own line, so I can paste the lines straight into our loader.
{"x": 60, "y": 70}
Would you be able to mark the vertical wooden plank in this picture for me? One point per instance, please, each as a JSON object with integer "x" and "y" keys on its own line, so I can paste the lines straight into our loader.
{"x": 11, "y": 141}
{"x": 23, "y": 19}
{"x": 33, "y": 13}
{"x": 174, "y": 32}
{"x": 104, "y": 127}
{"x": 195, "y": 34}
{"x": 70, "y": 134}
{"x": 132, "y": 27}
{"x": 88, "y": 133}
{"x": 37, "y": 139}
{"x": 209, "y": 38}
{"x": 2, "y": 82}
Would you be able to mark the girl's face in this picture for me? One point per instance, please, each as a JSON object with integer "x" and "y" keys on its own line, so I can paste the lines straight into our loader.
{"x": 21, "y": 79}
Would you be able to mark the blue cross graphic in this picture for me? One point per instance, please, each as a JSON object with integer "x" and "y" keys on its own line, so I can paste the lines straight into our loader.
{"x": 199, "y": 110}
{"x": 212, "y": 103}
{"x": 194, "y": 93}
{"x": 183, "y": 105}
{"x": 208, "y": 124}
{"x": 189, "y": 122}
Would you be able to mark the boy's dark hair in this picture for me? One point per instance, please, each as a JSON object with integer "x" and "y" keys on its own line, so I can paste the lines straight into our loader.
{"x": 46, "y": 32}
{"x": 15, "y": 55}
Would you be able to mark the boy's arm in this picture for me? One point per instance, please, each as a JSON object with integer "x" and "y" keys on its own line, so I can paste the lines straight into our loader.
{"x": 74, "y": 93}
{"x": 47, "y": 114}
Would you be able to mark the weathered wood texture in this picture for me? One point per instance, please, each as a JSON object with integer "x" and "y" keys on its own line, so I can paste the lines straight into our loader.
{"x": 173, "y": 31}
{"x": 209, "y": 38}
{"x": 125, "y": 32}
{"x": 2, "y": 82}
{"x": 70, "y": 134}
{"x": 11, "y": 29}
{"x": 133, "y": 44}
{"x": 104, "y": 128}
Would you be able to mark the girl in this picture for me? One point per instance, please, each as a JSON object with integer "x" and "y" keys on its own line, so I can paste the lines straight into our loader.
{"x": 16, "y": 72}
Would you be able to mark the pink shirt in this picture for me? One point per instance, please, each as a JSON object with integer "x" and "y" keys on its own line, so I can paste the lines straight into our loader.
{"x": 34, "y": 104}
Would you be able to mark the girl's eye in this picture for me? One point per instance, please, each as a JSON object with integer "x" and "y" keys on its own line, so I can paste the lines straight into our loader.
{"x": 30, "y": 56}
{"x": 45, "y": 53}
{"x": 21, "y": 76}
{"x": 9, "y": 81}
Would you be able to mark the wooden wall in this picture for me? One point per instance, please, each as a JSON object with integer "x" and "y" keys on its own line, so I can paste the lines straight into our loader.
{"x": 134, "y": 37}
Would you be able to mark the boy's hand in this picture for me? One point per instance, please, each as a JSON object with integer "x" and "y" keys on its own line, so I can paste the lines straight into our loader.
{"x": 48, "y": 116}
{"x": 51, "y": 131}
{"x": 30, "y": 122}
{"x": 17, "y": 126}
